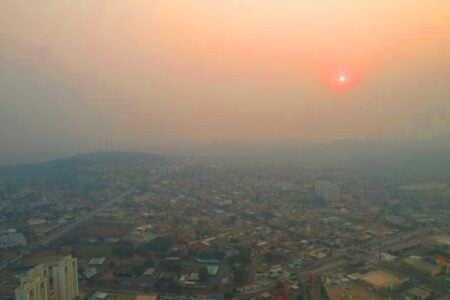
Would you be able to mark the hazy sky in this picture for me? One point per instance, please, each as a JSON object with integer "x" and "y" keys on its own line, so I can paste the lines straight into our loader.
{"x": 76, "y": 74}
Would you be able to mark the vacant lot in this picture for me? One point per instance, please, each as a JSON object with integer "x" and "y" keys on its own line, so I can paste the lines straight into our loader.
{"x": 94, "y": 251}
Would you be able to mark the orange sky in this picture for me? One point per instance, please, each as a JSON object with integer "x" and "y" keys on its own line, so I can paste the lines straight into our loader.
{"x": 212, "y": 70}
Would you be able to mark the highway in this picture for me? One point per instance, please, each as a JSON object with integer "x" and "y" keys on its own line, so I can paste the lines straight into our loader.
{"x": 59, "y": 233}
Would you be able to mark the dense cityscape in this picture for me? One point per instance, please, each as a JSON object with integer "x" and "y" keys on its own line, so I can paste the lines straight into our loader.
{"x": 224, "y": 150}
{"x": 138, "y": 226}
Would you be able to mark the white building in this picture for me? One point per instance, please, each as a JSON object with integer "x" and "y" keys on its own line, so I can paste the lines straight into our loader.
{"x": 34, "y": 285}
{"x": 65, "y": 278}
{"x": 328, "y": 191}
{"x": 11, "y": 240}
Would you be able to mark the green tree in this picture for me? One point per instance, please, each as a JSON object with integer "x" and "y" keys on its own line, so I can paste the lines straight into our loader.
{"x": 238, "y": 274}
{"x": 148, "y": 263}
{"x": 159, "y": 244}
{"x": 203, "y": 274}
{"x": 170, "y": 266}
{"x": 229, "y": 294}
{"x": 123, "y": 249}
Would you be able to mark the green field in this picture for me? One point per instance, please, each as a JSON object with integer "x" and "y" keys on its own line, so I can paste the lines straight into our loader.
{"x": 94, "y": 251}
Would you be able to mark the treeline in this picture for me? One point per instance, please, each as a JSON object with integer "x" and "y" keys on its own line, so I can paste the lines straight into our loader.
{"x": 126, "y": 249}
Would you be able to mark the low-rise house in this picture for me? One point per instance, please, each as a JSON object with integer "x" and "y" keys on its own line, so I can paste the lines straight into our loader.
{"x": 11, "y": 240}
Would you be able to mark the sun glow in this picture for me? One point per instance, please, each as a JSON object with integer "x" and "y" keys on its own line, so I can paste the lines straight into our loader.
{"x": 342, "y": 80}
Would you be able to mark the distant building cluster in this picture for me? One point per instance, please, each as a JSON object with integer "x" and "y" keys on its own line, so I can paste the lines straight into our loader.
{"x": 35, "y": 284}
{"x": 12, "y": 239}
{"x": 328, "y": 191}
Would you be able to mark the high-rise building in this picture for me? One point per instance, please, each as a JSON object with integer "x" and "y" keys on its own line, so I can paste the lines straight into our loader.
{"x": 65, "y": 278}
{"x": 34, "y": 285}
{"x": 328, "y": 191}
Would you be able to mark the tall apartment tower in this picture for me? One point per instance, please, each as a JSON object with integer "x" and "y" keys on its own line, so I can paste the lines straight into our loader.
{"x": 328, "y": 191}
{"x": 34, "y": 285}
{"x": 65, "y": 278}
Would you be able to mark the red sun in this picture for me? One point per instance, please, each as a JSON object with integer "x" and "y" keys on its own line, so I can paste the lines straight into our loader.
{"x": 341, "y": 78}
{"x": 341, "y": 81}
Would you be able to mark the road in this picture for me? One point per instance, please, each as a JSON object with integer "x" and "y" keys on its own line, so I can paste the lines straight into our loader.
{"x": 332, "y": 263}
{"x": 59, "y": 233}
{"x": 322, "y": 267}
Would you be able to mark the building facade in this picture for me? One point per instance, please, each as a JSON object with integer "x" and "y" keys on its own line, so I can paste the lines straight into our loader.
{"x": 65, "y": 279}
{"x": 34, "y": 285}
{"x": 328, "y": 191}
